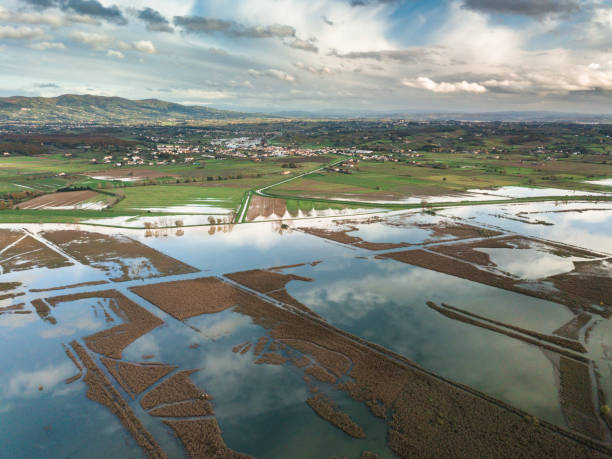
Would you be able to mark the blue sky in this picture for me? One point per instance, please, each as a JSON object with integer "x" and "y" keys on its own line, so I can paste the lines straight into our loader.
{"x": 337, "y": 55}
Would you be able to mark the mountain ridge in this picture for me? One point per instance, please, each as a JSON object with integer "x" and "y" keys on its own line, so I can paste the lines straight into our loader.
{"x": 101, "y": 109}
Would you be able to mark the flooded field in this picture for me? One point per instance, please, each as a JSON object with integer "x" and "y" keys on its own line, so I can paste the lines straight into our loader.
{"x": 69, "y": 200}
{"x": 463, "y": 333}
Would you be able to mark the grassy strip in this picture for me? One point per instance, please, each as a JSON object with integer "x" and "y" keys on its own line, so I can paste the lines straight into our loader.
{"x": 66, "y": 216}
{"x": 441, "y": 204}
{"x": 75, "y": 216}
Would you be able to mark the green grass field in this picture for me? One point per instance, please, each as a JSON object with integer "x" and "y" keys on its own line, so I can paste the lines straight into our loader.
{"x": 161, "y": 196}
{"x": 391, "y": 180}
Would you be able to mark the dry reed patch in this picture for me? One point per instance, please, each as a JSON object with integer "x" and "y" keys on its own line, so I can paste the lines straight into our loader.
{"x": 328, "y": 410}
{"x": 189, "y": 298}
{"x": 444, "y": 230}
{"x": 111, "y": 342}
{"x": 136, "y": 378}
{"x": 100, "y": 389}
{"x": 190, "y": 408}
{"x": 428, "y": 415}
{"x": 65, "y": 287}
{"x": 16, "y": 308}
{"x": 44, "y": 311}
{"x": 8, "y": 286}
{"x": 11, "y": 296}
{"x": 119, "y": 256}
{"x": 272, "y": 283}
{"x": 271, "y": 359}
{"x": 177, "y": 388}
{"x": 202, "y": 439}
{"x": 264, "y": 281}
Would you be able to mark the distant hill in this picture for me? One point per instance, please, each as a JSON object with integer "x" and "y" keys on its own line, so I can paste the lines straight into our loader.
{"x": 98, "y": 109}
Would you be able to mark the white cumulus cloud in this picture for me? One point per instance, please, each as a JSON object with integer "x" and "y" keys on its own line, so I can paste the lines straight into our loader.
{"x": 444, "y": 87}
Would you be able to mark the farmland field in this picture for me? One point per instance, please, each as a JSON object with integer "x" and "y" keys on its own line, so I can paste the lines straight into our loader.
{"x": 357, "y": 283}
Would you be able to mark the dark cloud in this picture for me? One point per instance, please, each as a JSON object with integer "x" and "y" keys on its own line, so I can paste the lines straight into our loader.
{"x": 40, "y": 3}
{"x": 534, "y": 8}
{"x": 154, "y": 20}
{"x": 198, "y": 24}
{"x": 304, "y": 45}
{"x": 327, "y": 21}
{"x": 404, "y": 55}
{"x": 91, "y": 8}
{"x": 95, "y": 9}
{"x": 47, "y": 85}
{"x": 372, "y": 2}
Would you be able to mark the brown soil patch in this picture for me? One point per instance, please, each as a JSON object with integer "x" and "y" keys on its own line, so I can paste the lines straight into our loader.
{"x": 189, "y": 298}
{"x": 102, "y": 391}
{"x": 191, "y": 408}
{"x": 30, "y": 253}
{"x": 571, "y": 329}
{"x": 202, "y": 438}
{"x": 8, "y": 237}
{"x": 114, "y": 254}
{"x": 177, "y": 388}
{"x": 577, "y": 399}
{"x": 82, "y": 284}
{"x": 265, "y": 207}
{"x": 328, "y": 410}
{"x": 111, "y": 342}
{"x": 68, "y": 198}
{"x": 136, "y": 378}
{"x": 370, "y": 455}
{"x": 44, "y": 311}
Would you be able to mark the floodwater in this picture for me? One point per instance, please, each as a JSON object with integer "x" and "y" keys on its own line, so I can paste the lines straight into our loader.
{"x": 583, "y": 224}
{"x": 494, "y": 194}
{"x": 605, "y": 182}
{"x": 261, "y": 409}
{"x": 535, "y": 262}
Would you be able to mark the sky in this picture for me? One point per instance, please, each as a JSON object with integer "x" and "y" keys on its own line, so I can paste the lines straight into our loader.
{"x": 377, "y": 56}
